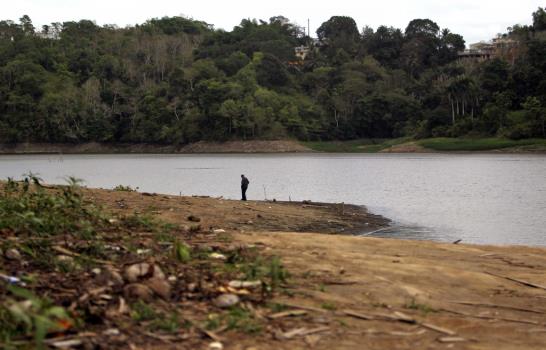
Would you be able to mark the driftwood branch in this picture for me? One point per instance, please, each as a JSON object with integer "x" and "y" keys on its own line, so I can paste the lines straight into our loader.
{"x": 525, "y": 283}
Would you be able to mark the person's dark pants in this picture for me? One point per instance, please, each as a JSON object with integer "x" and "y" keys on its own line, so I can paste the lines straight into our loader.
{"x": 243, "y": 190}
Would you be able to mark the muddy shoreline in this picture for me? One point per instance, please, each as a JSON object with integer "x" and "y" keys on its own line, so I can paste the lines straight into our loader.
{"x": 342, "y": 291}
{"x": 275, "y": 146}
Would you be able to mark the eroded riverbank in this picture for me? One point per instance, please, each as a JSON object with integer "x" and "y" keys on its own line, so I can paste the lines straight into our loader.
{"x": 341, "y": 291}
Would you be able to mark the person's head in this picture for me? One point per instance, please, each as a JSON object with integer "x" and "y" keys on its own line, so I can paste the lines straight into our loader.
{"x": 242, "y": 175}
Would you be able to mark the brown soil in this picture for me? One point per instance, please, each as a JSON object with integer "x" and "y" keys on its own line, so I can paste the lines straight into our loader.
{"x": 257, "y": 146}
{"x": 331, "y": 274}
{"x": 409, "y": 147}
{"x": 359, "y": 293}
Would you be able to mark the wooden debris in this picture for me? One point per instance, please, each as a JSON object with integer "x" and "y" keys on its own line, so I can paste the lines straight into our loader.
{"x": 407, "y": 334}
{"x": 210, "y": 334}
{"x": 309, "y": 308}
{"x": 399, "y": 317}
{"x": 287, "y": 313}
{"x": 525, "y": 283}
{"x": 402, "y": 317}
{"x": 339, "y": 283}
{"x": 300, "y": 332}
{"x": 490, "y": 317}
{"x": 437, "y": 328}
{"x": 65, "y": 251}
{"x": 166, "y": 337}
{"x": 64, "y": 344}
{"x": 358, "y": 315}
{"x": 498, "y": 306}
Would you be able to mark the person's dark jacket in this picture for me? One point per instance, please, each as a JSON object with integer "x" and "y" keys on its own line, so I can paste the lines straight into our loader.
{"x": 244, "y": 182}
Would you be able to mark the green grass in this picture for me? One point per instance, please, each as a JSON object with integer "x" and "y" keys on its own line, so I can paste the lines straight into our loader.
{"x": 354, "y": 146}
{"x": 485, "y": 144}
{"x": 424, "y": 308}
{"x": 442, "y": 144}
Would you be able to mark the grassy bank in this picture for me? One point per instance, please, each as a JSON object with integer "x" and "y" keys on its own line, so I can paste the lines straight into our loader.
{"x": 354, "y": 146}
{"x": 427, "y": 145}
{"x": 487, "y": 144}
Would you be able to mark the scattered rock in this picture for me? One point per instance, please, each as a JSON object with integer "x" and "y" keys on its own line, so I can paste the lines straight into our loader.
{"x": 191, "y": 287}
{"x": 111, "y": 331}
{"x": 249, "y": 222}
{"x": 160, "y": 287}
{"x": 216, "y": 346}
{"x": 134, "y": 272}
{"x": 217, "y": 256}
{"x": 67, "y": 344}
{"x": 138, "y": 291}
{"x": 172, "y": 279}
{"x": 245, "y": 284}
{"x": 219, "y": 230}
{"x": 226, "y": 300}
{"x": 110, "y": 277}
{"x": 13, "y": 254}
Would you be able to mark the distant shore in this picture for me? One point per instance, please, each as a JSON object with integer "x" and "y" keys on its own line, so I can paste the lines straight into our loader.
{"x": 402, "y": 145}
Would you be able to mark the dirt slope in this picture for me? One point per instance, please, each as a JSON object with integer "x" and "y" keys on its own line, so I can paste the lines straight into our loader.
{"x": 461, "y": 293}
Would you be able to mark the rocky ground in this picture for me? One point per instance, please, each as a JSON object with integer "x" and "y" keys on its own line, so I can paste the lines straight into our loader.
{"x": 269, "y": 275}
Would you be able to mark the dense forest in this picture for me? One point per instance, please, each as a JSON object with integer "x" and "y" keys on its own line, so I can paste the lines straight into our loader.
{"x": 175, "y": 80}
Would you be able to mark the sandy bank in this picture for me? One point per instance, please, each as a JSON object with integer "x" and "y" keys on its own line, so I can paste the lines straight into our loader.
{"x": 376, "y": 293}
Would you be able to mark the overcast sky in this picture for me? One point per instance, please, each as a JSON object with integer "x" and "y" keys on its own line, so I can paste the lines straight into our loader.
{"x": 476, "y": 20}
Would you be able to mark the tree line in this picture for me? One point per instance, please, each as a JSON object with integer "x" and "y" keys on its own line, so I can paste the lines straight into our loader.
{"x": 175, "y": 80}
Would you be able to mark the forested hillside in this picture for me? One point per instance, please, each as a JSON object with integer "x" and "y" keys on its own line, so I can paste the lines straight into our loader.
{"x": 175, "y": 80}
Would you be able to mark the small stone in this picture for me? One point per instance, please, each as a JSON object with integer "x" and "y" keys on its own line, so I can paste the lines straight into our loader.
{"x": 138, "y": 291}
{"x": 96, "y": 271}
{"x": 160, "y": 287}
{"x": 217, "y": 256}
{"x": 67, "y": 344}
{"x": 216, "y": 346}
{"x": 136, "y": 271}
{"x": 192, "y": 287}
{"x": 111, "y": 331}
{"x": 13, "y": 254}
{"x": 109, "y": 277}
{"x": 219, "y": 230}
{"x": 143, "y": 251}
{"x": 65, "y": 258}
{"x": 157, "y": 272}
{"x": 249, "y": 222}
{"x": 245, "y": 284}
{"x": 226, "y": 300}
{"x": 172, "y": 279}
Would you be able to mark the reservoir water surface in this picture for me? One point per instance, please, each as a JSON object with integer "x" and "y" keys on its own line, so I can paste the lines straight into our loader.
{"x": 479, "y": 198}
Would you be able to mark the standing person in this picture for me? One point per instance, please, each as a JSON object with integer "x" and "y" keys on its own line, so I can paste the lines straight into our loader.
{"x": 244, "y": 186}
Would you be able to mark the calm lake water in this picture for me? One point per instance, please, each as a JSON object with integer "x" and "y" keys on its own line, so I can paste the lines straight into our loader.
{"x": 493, "y": 199}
